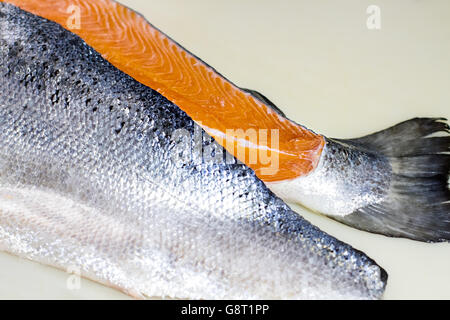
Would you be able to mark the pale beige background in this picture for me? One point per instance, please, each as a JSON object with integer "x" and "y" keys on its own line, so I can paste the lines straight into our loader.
{"x": 318, "y": 62}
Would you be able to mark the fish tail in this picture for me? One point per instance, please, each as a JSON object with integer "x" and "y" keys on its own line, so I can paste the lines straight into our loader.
{"x": 417, "y": 205}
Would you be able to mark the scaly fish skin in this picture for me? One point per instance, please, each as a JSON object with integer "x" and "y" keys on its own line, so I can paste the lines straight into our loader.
{"x": 393, "y": 182}
{"x": 88, "y": 180}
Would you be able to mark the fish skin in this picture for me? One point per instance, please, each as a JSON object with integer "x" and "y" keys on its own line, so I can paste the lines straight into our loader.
{"x": 345, "y": 180}
{"x": 142, "y": 51}
{"x": 88, "y": 179}
{"x": 393, "y": 182}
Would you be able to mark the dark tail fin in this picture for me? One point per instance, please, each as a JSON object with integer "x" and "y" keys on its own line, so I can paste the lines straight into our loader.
{"x": 418, "y": 203}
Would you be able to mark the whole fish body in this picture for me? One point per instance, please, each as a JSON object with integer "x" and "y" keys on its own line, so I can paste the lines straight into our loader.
{"x": 90, "y": 178}
{"x": 393, "y": 182}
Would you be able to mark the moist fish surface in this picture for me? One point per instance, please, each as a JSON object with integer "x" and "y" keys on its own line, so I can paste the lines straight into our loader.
{"x": 94, "y": 175}
{"x": 393, "y": 182}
